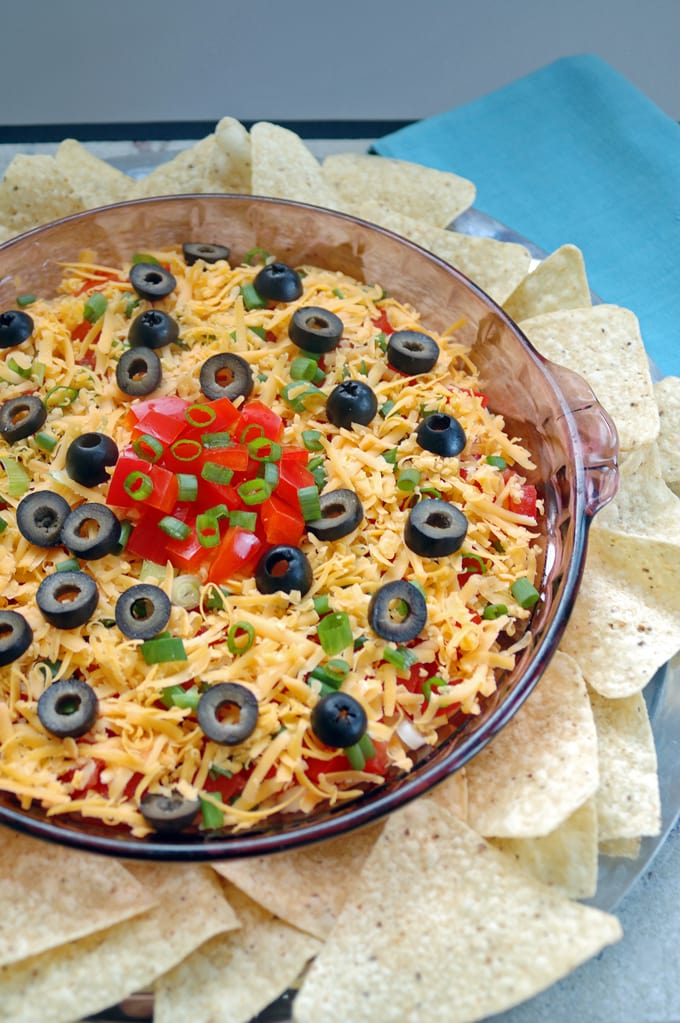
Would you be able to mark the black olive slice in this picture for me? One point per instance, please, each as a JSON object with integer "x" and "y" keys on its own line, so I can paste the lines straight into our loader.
{"x": 15, "y": 328}
{"x": 21, "y": 417}
{"x": 68, "y": 708}
{"x": 338, "y": 720}
{"x": 208, "y": 252}
{"x": 283, "y": 569}
{"x": 91, "y": 531}
{"x": 352, "y": 401}
{"x": 397, "y": 611}
{"x": 411, "y": 351}
{"x": 216, "y": 701}
{"x": 168, "y": 814}
{"x": 139, "y": 371}
{"x": 41, "y": 517}
{"x": 441, "y": 434}
{"x": 153, "y": 329}
{"x": 142, "y": 611}
{"x": 225, "y": 376}
{"x": 341, "y": 513}
{"x": 315, "y": 329}
{"x": 16, "y": 635}
{"x": 435, "y": 528}
{"x": 88, "y": 457}
{"x": 67, "y": 599}
{"x": 278, "y": 282}
{"x": 151, "y": 281}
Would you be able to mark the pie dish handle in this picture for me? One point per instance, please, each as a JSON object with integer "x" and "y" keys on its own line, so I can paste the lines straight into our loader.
{"x": 598, "y": 437}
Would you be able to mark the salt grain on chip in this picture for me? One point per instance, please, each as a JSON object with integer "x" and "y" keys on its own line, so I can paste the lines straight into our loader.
{"x": 440, "y": 926}
{"x": 542, "y": 766}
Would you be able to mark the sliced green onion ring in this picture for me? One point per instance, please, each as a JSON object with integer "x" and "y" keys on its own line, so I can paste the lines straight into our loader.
{"x": 240, "y": 637}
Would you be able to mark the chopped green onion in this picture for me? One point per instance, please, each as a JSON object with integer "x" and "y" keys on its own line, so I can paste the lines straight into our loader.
{"x": 207, "y": 530}
{"x": 408, "y": 479}
{"x": 186, "y": 591}
{"x": 335, "y": 633}
{"x": 163, "y": 649}
{"x": 251, "y": 299}
{"x": 338, "y": 668}
{"x": 240, "y": 638}
{"x": 493, "y": 611}
{"x": 252, "y": 428}
{"x": 212, "y": 815}
{"x": 430, "y": 492}
{"x": 467, "y": 556}
{"x": 381, "y": 341}
{"x": 144, "y": 257}
{"x": 215, "y": 771}
{"x": 402, "y": 657}
{"x": 244, "y": 520}
{"x": 356, "y": 757}
{"x": 174, "y": 528}
{"x": 316, "y": 463}
{"x": 524, "y": 593}
{"x": 3, "y": 524}
{"x": 46, "y": 441}
{"x": 213, "y": 472}
{"x": 151, "y": 570}
{"x": 391, "y": 456}
{"x": 38, "y": 369}
{"x": 218, "y": 511}
{"x": 254, "y": 491}
{"x": 187, "y": 486}
{"x": 338, "y": 293}
{"x": 366, "y": 746}
{"x": 270, "y": 473}
{"x": 386, "y": 408}
{"x": 212, "y": 441}
{"x": 262, "y": 449}
{"x": 322, "y": 604}
{"x": 312, "y": 440}
{"x": 363, "y": 368}
{"x": 310, "y": 505}
{"x": 325, "y": 677}
{"x": 497, "y": 460}
{"x": 68, "y": 565}
{"x": 262, "y": 256}
{"x": 18, "y": 480}
{"x": 60, "y": 396}
{"x": 138, "y": 485}
{"x": 345, "y": 372}
{"x": 125, "y": 530}
{"x": 215, "y": 602}
{"x": 260, "y": 332}
{"x": 302, "y": 396}
{"x": 95, "y": 307}
{"x": 186, "y": 449}
{"x": 24, "y": 300}
{"x": 131, "y": 305}
{"x": 177, "y": 696}
{"x": 147, "y": 447}
{"x": 435, "y": 681}
{"x": 302, "y": 368}
{"x": 22, "y": 371}
{"x": 195, "y": 413}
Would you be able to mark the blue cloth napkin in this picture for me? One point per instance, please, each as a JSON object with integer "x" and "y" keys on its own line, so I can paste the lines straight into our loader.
{"x": 575, "y": 153}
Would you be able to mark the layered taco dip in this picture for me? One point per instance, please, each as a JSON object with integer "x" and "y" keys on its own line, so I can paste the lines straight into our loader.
{"x": 262, "y": 540}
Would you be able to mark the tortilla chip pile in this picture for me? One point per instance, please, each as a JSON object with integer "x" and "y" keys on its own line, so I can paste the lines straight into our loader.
{"x": 488, "y": 868}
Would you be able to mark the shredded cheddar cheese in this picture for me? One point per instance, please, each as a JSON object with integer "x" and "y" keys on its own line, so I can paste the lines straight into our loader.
{"x": 140, "y": 745}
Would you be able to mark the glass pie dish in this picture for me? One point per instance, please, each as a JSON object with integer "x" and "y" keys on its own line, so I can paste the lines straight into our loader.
{"x": 551, "y": 410}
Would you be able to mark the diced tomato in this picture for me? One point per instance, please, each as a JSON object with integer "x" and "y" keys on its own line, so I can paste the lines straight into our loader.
{"x": 227, "y": 788}
{"x": 315, "y": 768}
{"x": 526, "y": 505}
{"x": 80, "y": 332}
{"x": 380, "y": 762}
{"x": 96, "y": 282}
{"x": 237, "y": 552}
{"x": 282, "y": 524}
{"x": 164, "y": 487}
{"x": 212, "y": 494}
{"x": 168, "y": 405}
{"x": 292, "y": 478}
{"x": 147, "y": 541}
{"x": 253, "y": 415}
{"x": 470, "y": 566}
{"x": 299, "y": 455}
{"x": 235, "y": 457}
{"x": 187, "y": 554}
{"x": 382, "y": 323}
{"x": 165, "y": 428}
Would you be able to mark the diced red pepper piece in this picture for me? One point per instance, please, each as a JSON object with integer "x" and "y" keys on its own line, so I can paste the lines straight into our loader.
{"x": 168, "y": 405}
{"x": 292, "y": 478}
{"x": 526, "y": 505}
{"x": 299, "y": 455}
{"x": 187, "y": 554}
{"x": 81, "y": 331}
{"x": 96, "y": 282}
{"x": 237, "y": 553}
{"x": 165, "y": 428}
{"x": 211, "y": 494}
{"x": 147, "y": 541}
{"x": 235, "y": 457}
{"x": 253, "y": 415}
{"x": 281, "y": 523}
{"x": 164, "y": 486}
{"x": 382, "y": 323}
{"x": 470, "y": 566}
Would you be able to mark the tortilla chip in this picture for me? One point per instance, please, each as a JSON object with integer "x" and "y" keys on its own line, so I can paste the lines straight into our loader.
{"x": 644, "y": 505}
{"x": 234, "y": 142}
{"x": 88, "y": 975}
{"x": 603, "y": 344}
{"x": 543, "y": 766}
{"x": 34, "y": 191}
{"x": 452, "y": 794}
{"x": 566, "y": 859}
{"x": 305, "y": 887}
{"x": 424, "y": 193}
{"x": 628, "y": 801}
{"x": 201, "y": 168}
{"x": 284, "y": 168}
{"x": 47, "y": 908}
{"x": 496, "y": 267}
{"x": 95, "y": 182}
{"x": 623, "y": 848}
{"x": 390, "y": 952}
{"x": 626, "y": 621}
{"x": 559, "y": 282}
{"x": 667, "y": 393}
{"x": 231, "y": 978}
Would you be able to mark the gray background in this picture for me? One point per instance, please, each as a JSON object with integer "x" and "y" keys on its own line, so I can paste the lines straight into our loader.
{"x": 80, "y": 61}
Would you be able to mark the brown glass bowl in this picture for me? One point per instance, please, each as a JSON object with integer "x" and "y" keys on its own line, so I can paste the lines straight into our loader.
{"x": 551, "y": 409}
